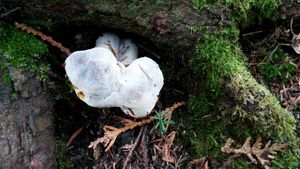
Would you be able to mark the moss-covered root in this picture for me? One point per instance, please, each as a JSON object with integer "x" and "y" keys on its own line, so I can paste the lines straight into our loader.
{"x": 255, "y": 103}
{"x": 239, "y": 99}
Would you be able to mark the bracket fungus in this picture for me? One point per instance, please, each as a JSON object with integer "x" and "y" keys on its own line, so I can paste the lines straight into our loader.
{"x": 111, "y": 75}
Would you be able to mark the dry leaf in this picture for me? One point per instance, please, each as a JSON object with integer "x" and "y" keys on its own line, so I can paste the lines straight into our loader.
{"x": 167, "y": 148}
{"x": 201, "y": 162}
{"x": 111, "y": 133}
{"x": 263, "y": 155}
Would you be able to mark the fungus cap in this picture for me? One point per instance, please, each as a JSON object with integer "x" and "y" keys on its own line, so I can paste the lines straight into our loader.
{"x": 101, "y": 80}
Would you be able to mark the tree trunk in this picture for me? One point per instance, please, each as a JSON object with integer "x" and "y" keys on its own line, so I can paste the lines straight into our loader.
{"x": 26, "y": 126}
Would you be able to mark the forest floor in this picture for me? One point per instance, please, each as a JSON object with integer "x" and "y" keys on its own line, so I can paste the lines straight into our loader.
{"x": 79, "y": 125}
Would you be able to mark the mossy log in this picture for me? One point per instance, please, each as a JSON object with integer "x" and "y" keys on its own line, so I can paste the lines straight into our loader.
{"x": 203, "y": 42}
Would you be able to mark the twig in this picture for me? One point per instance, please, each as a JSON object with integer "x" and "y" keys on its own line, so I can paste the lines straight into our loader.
{"x": 148, "y": 50}
{"x": 291, "y": 26}
{"x": 9, "y": 12}
{"x": 74, "y": 136}
{"x": 133, "y": 147}
{"x": 54, "y": 75}
{"x": 44, "y": 37}
{"x": 275, "y": 49}
{"x": 252, "y": 33}
{"x": 145, "y": 151}
{"x": 76, "y": 133}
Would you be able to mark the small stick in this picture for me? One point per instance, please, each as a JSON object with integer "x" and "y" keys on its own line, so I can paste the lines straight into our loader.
{"x": 291, "y": 26}
{"x": 252, "y": 33}
{"x": 148, "y": 50}
{"x": 9, "y": 12}
{"x": 133, "y": 147}
{"x": 77, "y": 132}
{"x": 44, "y": 37}
{"x": 275, "y": 49}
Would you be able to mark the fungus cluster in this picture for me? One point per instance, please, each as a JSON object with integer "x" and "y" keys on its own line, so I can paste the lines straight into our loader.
{"x": 111, "y": 75}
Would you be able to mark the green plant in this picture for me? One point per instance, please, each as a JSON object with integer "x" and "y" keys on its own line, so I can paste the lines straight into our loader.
{"x": 4, "y": 75}
{"x": 193, "y": 28}
{"x": 161, "y": 121}
{"x": 249, "y": 11}
{"x": 6, "y": 79}
{"x": 281, "y": 68}
{"x": 13, "y": 96}
{"x": 63, "y": 162}
{"x": 201, "y": 4}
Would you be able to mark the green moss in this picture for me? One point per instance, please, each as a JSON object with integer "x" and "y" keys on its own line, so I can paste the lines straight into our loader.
{"x": 249, "y": 11}
{"x": 178, "y": 14}
{"x": 6, "y": 79}
{"x": 4, "y": 75}
{"x": 242, "y": 163}
{"x": 202, "y": 4}
{"x": 281, "y": 68}
{"x": 143, "y": 8}
{"x": 63, "y": 162}
{"x": 13, "y": 96}
{"x": 244, "y": 12}
{"x": 193, "y": 28}
{"x": 217, "y": 59}
{"x": 214, "y": 51}
{"x": 23, "y": 50}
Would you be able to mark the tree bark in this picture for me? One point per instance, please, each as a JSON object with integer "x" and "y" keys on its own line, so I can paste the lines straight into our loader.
{"x": 26, "y": 126}
{"x": 168, "y": 24}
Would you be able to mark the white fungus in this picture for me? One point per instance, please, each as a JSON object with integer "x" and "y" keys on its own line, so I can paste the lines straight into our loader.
{"x": 128, "y": 52}
{"x": 110, "y": 41}
{"x": 100, "y": 77}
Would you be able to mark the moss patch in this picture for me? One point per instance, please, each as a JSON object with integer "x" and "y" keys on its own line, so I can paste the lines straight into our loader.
{"x": 252, "y": 111}
{"x": 228, "y": 102}
{"x": 244, "y": 12}
{"x": 4, "y": 74}
{"x": 23, "y": 50}
{"x": 250, "y": 11}
{"x": 280, "y": 69}
{"x": 60, "y": 152}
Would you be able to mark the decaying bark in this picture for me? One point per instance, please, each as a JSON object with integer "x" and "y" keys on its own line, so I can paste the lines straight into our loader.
{"x": 26, "y": 126}
{"x": 168, "y": 24}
